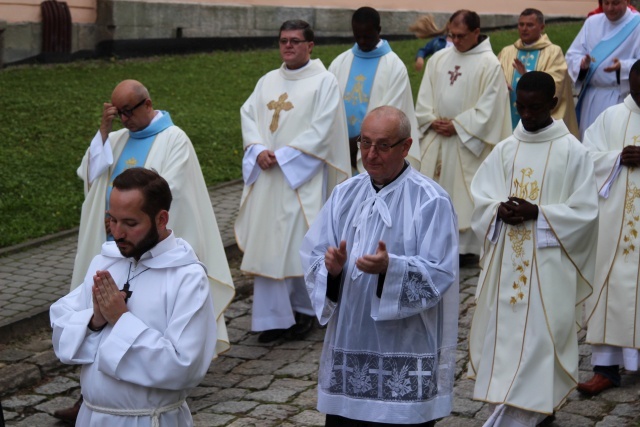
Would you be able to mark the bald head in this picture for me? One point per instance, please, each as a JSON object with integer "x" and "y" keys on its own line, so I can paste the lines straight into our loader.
{"x": 400, "y": 121}
{"x": 132, "y": 99}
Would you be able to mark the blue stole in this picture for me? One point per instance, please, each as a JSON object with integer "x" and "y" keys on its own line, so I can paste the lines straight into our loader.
{"x": 136, "y": 149}
{"x": 530, "y": 59}
{"x": 358, "y": 89}
{"x": 601, "y": 52}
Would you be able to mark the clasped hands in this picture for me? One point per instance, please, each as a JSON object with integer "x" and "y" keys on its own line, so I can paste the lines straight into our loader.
{"x": 443, "y": 127}
{"x": 108, "y": 300}
{"x": 335, "y": 258}
{"x": 267, "y": 159}
{"x": 516, "y": 211}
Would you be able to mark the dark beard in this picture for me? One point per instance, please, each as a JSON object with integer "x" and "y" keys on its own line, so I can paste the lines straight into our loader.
{"x": 147, "y": 243}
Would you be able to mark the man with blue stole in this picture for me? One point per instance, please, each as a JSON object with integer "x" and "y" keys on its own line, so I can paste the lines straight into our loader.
{"x": 600, "y": 58}
{"x": 533, "y": 51}
{"x": 151, "y": 140}
{"x": 370, "y": 75}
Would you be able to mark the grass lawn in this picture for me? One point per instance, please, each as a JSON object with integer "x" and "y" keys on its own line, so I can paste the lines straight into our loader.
{"x": 48, "y": 115}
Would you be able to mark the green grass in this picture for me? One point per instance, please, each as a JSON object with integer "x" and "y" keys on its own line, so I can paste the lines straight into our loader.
{"x": 48, "y": 115}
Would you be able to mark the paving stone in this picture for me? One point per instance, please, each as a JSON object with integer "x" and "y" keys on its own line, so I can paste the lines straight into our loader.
{"x": 298, "y": 370}
{"x": 459, "y": 422}
{"x": 57, "y": 385}
{"x": 273, "y": 412}
{"x": 242, "y": 322}
{"x": 50, "y": 406}
{"x": 221, "y": 379}
{"x": 258, "y": 367}
{"x": 18, "y": 376}
{"x": 229, "y": 394}
{"x": 224, "y": 364}
{"x": 236, "y": 335}
{"x": 211, "y": 420}
{"x": 246, "y": 352}
{"x": 309, "y": 418}
{"x": 251, "y": 422}
{"x": 587, "y": 407}
{"x": 618, "y": 394}
{"x": 626, "y": 410}
{"x": 287, "y": 355}
{"x": 38, "y": 420}
{"x": 272, "y": 395}
{"x": 14, "y": 355}
{"x": 37, "y": 346}
{"x": 22, "y": 401}
{"x": 10, "y": 415}
{"x": 307, "y": 399}
{"x": 47, "y": 361}
{"x": 231, "y": 407}
{"x": 611, "y": 421}
{"x": 565, "y": 419}
{"x": 466, "y": 407}
{"x": 202, "y": 391}
{"x": 259, "y": 382}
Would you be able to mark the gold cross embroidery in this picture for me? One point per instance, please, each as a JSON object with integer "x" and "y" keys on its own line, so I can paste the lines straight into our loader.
{"x": 278, "y": 106}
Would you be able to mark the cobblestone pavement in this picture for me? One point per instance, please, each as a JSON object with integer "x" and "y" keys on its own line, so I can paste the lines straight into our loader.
{"x": 253, "y": 384}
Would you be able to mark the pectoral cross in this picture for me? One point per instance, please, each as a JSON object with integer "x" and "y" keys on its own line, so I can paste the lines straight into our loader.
{"x": 127, "y": 292}
{"x": 454, "y": 75}
{"x": 278, "y": 106}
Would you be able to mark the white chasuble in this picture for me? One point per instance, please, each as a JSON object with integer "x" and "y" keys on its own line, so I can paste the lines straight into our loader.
{"x": 468, "y": 88}
{"x": 391, "y": 86}
{"x": 523, "y": 344}
{"x": 387, "y": 359}
{"x": 191, "y": 216}
{"x": 301, "y": 109}
{"x": 612, "y": 309}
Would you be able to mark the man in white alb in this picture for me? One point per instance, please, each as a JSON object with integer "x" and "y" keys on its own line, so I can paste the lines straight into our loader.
{"x": 381, "y": 268}
{"x": 612, "y": 310}
{"x": 463, "y": 111}
{"x": 600, "y": 57}
{"x": 295, "y": 151}
{"x": 370, "y": 74}
{"x": 536, "y": 211}
{"x": 142, "y": 324}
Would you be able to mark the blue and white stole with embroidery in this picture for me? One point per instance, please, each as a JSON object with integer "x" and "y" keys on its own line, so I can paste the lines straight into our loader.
{"x": 358, "y": 89}
{"x": 530, "y": 59}
{"x": 136, "y": 149}
{"x": 601, "y": 52}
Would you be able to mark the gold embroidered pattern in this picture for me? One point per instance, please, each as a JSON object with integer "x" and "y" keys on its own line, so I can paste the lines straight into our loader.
{"x": 279, "y": 105}
{"x": 357, "y": 95}
{"x": 131, "y": 163}
{"x": 524, "y": 188}
{"x": 631, "y": 219}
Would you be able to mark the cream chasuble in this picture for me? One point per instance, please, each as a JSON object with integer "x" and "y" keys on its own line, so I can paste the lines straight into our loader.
{"x": 391, "y": 86}
{"x": 612, "y": 310}
{"x": 523, "y": 344}
{"x": 551, "y": 61}
{"x": 468, "y": 88}
{"x": 302, "y": 109}
{"x": 191, "y": 216}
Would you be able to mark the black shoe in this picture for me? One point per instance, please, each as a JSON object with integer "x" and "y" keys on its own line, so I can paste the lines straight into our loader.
{"x": 302, "y": 328}
{"x": 271, "y": 335}
{"x": 69, "y": 415}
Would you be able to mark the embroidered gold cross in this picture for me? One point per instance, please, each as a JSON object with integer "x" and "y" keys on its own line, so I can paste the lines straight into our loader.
{"x": 278, "y": 106}
{"x": 454, "y": 75}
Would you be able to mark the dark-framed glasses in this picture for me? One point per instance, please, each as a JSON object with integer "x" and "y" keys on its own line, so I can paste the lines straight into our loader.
{"x": 383, "y": 148}
{"x": 458, "y": 36}
{"x": 128, "y": 112}
{"x": 294, "y": 42}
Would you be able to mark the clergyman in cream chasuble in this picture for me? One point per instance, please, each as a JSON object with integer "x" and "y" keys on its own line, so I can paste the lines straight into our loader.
{"x": 612, "y": 310}
{"x": 468, "y": 88}
{"x": 523, "y": 341}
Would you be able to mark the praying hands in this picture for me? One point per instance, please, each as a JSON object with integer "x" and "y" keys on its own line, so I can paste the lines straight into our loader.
{"x": 516, "y": 211}
{"x": 444, "y": 127}
{"x": 108, "y": 301}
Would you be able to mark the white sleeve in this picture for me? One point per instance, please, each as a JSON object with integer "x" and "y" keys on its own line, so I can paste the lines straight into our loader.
{"x": 296, "y": 166}
{"x": 100, "y": 157}
{"x": 250, "y": 168}
{"x": 470, "y": 142}
{"x": 546, "y": 238}
{"x": 606, "y": 188}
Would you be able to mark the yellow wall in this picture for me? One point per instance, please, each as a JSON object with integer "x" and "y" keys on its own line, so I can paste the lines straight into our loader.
{"x": 82, "y": 11}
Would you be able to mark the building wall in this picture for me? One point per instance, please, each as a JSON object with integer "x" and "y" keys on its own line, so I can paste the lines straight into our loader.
{"x": 96, "y": 21}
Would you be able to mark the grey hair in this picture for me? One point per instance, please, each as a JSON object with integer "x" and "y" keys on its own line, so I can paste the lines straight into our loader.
{"x": 404, "y": 125}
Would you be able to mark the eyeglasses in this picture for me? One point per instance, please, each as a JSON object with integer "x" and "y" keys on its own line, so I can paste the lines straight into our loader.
{"x": 458, "y": 36}
{"x": 129, "y": 111}
{"x": 294, "y": 42}
{"x": 383, "y": 148}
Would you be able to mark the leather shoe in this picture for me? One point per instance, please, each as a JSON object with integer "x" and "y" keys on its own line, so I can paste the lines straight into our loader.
{"x": 271, "y": 335}
{"x": 595, "y": 385}
{"x": 302, "y": 328}
{"x": 69, "y": 415}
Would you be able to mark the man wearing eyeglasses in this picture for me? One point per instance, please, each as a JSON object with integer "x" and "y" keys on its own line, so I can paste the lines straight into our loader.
{"x": 370, "y": 75}
{"x": 381, "y": 267}
{"x": 149, "y": 139}
{"x": 463, "y": 111}
{"x": 295, "y": 151}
